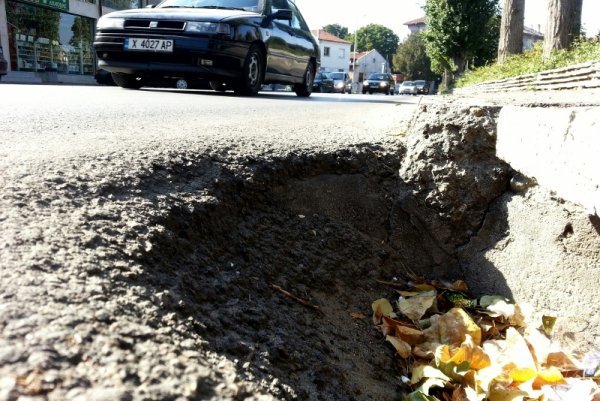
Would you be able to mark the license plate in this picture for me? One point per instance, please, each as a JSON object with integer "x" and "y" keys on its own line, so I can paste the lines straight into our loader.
{"x": 149, "y": 45}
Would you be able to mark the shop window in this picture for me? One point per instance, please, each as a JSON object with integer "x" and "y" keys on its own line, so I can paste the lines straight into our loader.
{"x": 40, "y": 37}
{"x": 122, "y": 4}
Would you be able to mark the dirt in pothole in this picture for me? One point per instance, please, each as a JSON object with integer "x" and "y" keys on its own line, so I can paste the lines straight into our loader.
{"x": 325, "y": 240}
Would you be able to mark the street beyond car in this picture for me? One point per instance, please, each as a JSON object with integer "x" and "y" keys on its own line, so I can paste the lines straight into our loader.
{"x": 379, "y": 82}
{"x": 3, "y": 64}
{"x": 235, "y": 44}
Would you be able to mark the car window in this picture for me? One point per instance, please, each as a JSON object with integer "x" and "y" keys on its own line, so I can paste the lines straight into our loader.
{"x": 277, "y": 5}
{"x": 249, "y": 5}
{"x": 297, "y": 20}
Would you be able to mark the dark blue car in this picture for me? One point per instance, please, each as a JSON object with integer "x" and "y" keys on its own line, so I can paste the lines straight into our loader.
{"x": 235, "y": 44}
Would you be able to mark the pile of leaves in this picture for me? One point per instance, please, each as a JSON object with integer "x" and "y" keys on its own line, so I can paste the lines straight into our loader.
{"x": 455, "y": 348}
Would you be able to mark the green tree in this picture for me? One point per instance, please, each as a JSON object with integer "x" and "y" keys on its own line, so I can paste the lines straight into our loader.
{"x": 378, "y": 37}
{"x": 336, "y": 30}
{"x": 412, "y": 60}
{"x": 459, "y": 34}
{"x": 82, "y": 31}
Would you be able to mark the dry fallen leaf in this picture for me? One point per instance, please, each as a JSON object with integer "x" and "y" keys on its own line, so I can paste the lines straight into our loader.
{"x": 455, "y": 325}
{"x": 358, "y": 315}
{"x": 415, "y": 307}
{"x": 403, "y": 349}
{"x": 382, "y": 307}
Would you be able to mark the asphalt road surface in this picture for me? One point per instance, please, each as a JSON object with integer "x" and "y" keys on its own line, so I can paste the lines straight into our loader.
{"x": 112, "y": 289}
{"x": 39, "y": 122}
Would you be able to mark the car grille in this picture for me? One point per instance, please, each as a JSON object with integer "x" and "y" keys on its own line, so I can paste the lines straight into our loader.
{"x": 153, "y": 24}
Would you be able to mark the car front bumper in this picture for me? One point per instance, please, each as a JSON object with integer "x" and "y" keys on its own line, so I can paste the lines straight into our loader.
{"x": 191, "y": 56}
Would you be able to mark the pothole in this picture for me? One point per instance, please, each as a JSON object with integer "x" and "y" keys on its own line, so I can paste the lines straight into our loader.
{"x": 325, "y": 230}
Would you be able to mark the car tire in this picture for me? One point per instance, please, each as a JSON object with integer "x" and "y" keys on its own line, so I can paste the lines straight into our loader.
{"x": 181, "y": 84}
{"x": 217, "y": 86}
{"x": 127, "y": 81}
{"x": 364, "y": 92}
{"x": 305, "y": 88}
{"x": 252, "y": 74}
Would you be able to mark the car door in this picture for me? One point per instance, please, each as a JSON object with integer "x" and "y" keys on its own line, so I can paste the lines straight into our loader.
{"x": 302, "y": 45}
{"x": 280, "y": 58}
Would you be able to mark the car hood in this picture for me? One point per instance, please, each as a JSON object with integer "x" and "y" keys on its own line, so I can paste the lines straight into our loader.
{"x": 199, "y": 14}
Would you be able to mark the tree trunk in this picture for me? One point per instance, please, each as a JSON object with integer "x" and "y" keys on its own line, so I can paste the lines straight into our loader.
{"x": 511, "y": 30}
{"x": 563, "y": 25}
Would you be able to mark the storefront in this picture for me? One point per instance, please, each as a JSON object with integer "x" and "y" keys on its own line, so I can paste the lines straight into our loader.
{"x": 38, "y": 35}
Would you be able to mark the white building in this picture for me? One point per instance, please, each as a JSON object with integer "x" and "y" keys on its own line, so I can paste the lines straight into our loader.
{"x": 367, "y": 63}
{"x": 334, "y": 51}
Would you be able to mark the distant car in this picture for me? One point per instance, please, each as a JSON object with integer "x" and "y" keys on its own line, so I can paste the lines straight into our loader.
{"x": 322, "y": 83}
{"x": 422, "y": 87}
{"x": 379, "y": 82}
{"x": 3, "y": 64}
{"x": 407, "y": 88}
{"x": 341, "y": 82}
{"x": 235, "y": 44}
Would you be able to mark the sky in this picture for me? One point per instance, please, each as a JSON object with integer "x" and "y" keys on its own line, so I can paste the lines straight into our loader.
{"x": 394, "y": 13}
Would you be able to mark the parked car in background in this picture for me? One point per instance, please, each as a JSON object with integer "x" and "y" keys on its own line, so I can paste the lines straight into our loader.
{"x": 407, "y": 88}
{"x": 237, "y": 44}
{"x": 341, "y": 82}
{"x": 3, "y": 64}
{"x": 379, "y": 83}
{"x": 323, "y": 83}
{"x": 422, "y": 87}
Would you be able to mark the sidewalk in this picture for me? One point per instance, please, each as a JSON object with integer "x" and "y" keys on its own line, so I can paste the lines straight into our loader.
{"x": 21, "y": 77}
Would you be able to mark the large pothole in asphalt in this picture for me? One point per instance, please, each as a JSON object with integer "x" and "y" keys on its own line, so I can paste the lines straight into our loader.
{"x": 324, "y": 231}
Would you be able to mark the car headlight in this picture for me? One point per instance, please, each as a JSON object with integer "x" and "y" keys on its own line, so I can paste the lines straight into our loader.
{"x": 208, "y": 27}
{"x": 110, "y": 23}
{"x": 383, "y": 84}
{"x": 366, "y": 83}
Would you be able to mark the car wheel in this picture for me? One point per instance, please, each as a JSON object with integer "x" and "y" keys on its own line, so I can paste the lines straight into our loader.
{"x": 252, "y": 74}
{"x": 364, "y": 92}
{"x": 181, "y": 84}
{"x": 305, "y": 88}
{"x": 218, "y": 86}
{"x": 127, "y": 81}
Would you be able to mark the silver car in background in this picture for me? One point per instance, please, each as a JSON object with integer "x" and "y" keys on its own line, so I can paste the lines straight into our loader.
{"x": 407, "y": 88}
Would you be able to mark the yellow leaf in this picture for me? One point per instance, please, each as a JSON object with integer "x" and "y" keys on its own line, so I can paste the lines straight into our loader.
{"x": 467, "y": 352}
{"x": 403, "y": 349}
{"x": 550, "y": 376}
{"x": 455, "y": 325}
{"x": 414, "y": 308}
{"x": 522, "y": 375}
{"x": 382, "y": 307}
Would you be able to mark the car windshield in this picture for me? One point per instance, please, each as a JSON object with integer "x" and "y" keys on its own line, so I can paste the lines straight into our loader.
{"x": 336, "y": 75}
{"x": 247, "y": 5}
{"x": 419, "y": 82}
{"x": 322, "y": 75}
{"x": 378, "y": 77}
